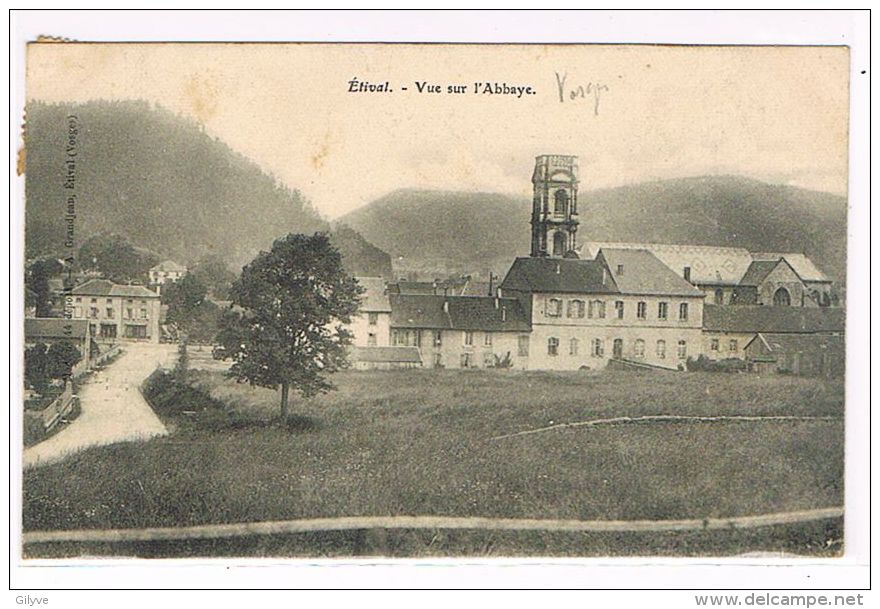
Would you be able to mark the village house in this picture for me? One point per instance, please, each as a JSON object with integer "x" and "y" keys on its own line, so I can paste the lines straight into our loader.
{"x": 624, "y": 304}
{"x": 167, "y": 272}
{"x": 371, "y": 326}
{"x": 371, "y": 332}
{"x": 117, "y": 312}
{"x": 798, "y": 354}
{"x": 52, "y": 330}
{"x": 461, "y": 331}
{"x": 728, "y": 330}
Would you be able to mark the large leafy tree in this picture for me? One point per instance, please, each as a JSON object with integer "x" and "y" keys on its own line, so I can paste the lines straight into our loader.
{"x": 286, "y": 328}
{"x": 35, "y": 368}
{"x": 212, "y": 271}
{"x": 37, "y": 280}
{"x": 115, "y": 258}
{"x": 189, "y": 310}
{"x": 61, "y": 358}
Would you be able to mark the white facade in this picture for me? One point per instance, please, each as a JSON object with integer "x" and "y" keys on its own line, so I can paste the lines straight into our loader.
{"x": 571, "y": 342}
{"x": 371, "y": 328}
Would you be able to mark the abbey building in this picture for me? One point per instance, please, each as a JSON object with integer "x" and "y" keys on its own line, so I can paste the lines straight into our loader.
{"x": 572, "y": 305}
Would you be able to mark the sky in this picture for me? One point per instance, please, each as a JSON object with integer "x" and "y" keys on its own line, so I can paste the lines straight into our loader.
{"x": 778, "y": 114}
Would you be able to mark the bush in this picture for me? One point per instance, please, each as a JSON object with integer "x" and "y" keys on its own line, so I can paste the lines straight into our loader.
{"x": 704, "y": 364}
{"x": 33, "y": 430}
{"x": 189, "y": 405}
{"x": 504, "y": 362}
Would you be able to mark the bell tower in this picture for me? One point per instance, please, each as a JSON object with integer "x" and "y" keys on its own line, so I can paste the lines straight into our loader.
{"x": 554, "y": 206}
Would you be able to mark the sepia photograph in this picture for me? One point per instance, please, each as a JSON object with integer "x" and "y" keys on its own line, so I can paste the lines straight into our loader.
{"x": 420, "y": 301}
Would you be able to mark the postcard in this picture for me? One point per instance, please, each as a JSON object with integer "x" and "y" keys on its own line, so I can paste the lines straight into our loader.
{"x": 424, "y": 301}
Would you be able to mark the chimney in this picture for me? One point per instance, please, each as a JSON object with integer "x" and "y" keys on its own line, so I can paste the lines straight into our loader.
{"x": 446, "y": 306}
{"x": 503, "y": 313}
{"x": 604, "y": 274}
{"x": 620, "y": 269}
{"x": 687, "y": 274}
{"x": 558, "y": 270}
{"x": 497, "y": 302}
{"x": 434, "y": 286}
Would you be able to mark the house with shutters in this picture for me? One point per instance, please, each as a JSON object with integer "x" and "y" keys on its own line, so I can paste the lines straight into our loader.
{"x": 117, "y": 312}
{"x": 462, "y": 331}
{"x": 623, "y": 304}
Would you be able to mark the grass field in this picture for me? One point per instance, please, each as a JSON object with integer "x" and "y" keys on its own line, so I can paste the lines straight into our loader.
{"x": 420, "y": 443}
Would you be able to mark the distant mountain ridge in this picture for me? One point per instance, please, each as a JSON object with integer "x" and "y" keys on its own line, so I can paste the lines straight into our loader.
{"x": 469, "y": 232}
{"x": 161, "y": 182}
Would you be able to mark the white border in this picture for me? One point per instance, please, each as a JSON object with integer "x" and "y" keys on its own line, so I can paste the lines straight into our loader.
{"x": 753, "y": 27}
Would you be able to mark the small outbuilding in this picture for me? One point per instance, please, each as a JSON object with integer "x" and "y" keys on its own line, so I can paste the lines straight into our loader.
{"x": 799, "y": 354}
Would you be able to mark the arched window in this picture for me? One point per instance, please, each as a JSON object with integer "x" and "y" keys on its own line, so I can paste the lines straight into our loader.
{"x": 782, "y": 298}
{"x": 683, "y": 311}
{"x": 719, "y": 296}
{"x": 661, "y": 349}
{"x": 598, "y": 347}
{"x": 558, "y": 244}
{"x": 552, "y": 346}
{"x": 617, "y": 348}
{"x": 573, "y": 346}
{"x": 554, "y": 307}
{"x": 560, "y": 200}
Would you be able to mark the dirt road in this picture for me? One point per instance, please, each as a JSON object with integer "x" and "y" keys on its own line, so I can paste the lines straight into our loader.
{"x": 113, "y": 409}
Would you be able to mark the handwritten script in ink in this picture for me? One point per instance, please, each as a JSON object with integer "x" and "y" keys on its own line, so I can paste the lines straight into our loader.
{"x": 571, "y": 92}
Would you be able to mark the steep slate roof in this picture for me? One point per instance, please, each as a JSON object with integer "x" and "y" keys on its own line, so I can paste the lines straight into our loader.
{"x": 560, "y": 275}
{"x": 757, "y": 318}
{"x": 644, "y": 273}
{"x": 169, "y": 265}
{"x": 52, "y": 327}
{"x": 708, "y": 264}
{"x": 389, "y": 355}
{"x": 758, "y": 271}
{"x": 375, "y": 298}
{"x": 103, "y": 287}
{"x": 802, "y": 265}
{"x": 792, "y": 343}
{"x": 465, "y": 313}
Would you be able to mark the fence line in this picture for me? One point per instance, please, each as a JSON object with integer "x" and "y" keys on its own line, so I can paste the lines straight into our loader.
{"x": 282, "y": 527}
{"x": 671, "y": 418}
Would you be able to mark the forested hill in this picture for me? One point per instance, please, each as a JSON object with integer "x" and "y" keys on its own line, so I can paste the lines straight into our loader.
{"x": 161, "y": 182}
{"x": 475, "y": 231}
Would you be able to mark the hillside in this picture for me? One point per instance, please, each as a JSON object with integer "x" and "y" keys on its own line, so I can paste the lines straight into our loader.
{"x": 159, "y": 181}
{"x": 440, "y": 231}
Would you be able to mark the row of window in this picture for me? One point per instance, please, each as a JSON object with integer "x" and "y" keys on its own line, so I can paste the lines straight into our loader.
{"x": 732, "y": 345}
{"x": 413, "y": 338}
{"x": 109, "y": 301}
{"x": 597, "y": 348}
{"x": 595, "y": 309}
{"x": 110, "y": 313}
{"x": 128, "y": 331}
